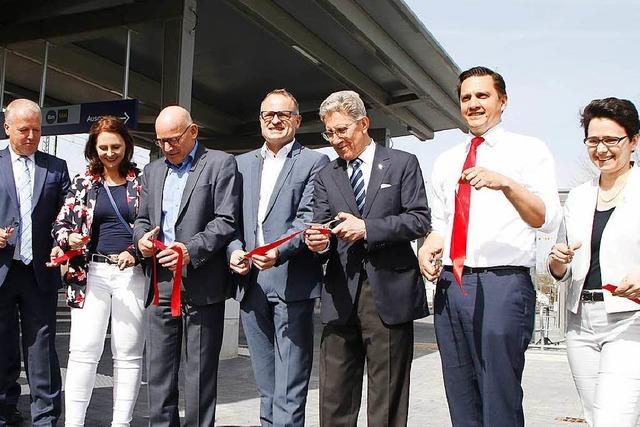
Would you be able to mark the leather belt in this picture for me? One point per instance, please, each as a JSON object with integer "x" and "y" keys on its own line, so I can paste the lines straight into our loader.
{"x": 591, "y": 296}
{"x": 497, "y": 268}
{"x": 107, "y": 259}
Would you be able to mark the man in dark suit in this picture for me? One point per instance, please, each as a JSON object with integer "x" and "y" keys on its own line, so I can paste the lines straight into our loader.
{"x": 190, "y": 200}
{"x": 373, "y": 289}
{"x": 32, "y": 189}
{"x": 278, "y": 296}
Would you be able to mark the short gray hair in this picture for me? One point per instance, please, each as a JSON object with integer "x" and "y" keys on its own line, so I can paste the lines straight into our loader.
{"x": 20, "y": 104}
{"x": 344, "y": 101}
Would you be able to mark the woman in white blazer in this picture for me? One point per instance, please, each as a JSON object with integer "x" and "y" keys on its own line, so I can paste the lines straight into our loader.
{"x": 601, "y": 264}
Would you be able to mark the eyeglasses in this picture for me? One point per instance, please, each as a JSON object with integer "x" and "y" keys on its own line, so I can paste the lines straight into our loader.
{"x": 284, "y": 115}
{"x": 174, "y": 140}
{"x": 608, "y": 141}
{"x": 340, "y": 131}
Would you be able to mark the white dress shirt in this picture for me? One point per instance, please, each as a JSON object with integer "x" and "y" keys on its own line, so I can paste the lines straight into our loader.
{"x": 17, "y": 166}
{"x": 271, "y": 168}
{"x": 497, "y": 234}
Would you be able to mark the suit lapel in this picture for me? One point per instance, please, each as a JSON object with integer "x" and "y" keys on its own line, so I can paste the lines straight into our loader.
{"x": 286, "y": 169}
{"x": 199, "y": 161}
{"x": 379, "y": 169}
{"x": 163, "y": 169}
{"x": 256, "y": 179}
{"x": 39, "y": 176}
{"x": 341, "y": 179}
{"x": 6, "y": 170}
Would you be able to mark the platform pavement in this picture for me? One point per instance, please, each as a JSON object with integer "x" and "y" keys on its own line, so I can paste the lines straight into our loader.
{"x": 549, "y": 391}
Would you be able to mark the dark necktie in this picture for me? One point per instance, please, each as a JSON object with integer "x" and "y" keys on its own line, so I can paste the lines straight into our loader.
{"x": 458, "y": 249}
{"x": 357, "y": 183}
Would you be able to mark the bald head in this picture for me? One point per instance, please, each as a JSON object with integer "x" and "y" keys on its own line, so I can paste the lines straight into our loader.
{"x": 176, "y": 133}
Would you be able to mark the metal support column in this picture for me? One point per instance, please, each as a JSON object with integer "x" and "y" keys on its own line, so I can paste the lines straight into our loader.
{"x": 3, "y": 73}
{"x": 125, "y": 86}
{"x": 178, "y": 54}
{"x": 44, "y": 141}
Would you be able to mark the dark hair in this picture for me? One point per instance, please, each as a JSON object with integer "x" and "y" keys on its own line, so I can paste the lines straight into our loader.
{"x": 621, "y": 111}
{"x": 284, "y": 92}
{"x": 498, "y": 81}
{"x": 113, "y": 125}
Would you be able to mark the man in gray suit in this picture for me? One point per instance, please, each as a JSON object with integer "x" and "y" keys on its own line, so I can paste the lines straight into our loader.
{"x": 190, "y": 200}
{"x": 277, "y": 295}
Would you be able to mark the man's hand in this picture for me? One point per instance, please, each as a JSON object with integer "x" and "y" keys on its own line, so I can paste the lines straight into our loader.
{"x": 351, "y": 229}
{"x": 125, "y": 259}
{"x": 144, "y": 244}
{"x": 317, "y": 240}
{"x": 238, "y": 263}
{"x": 5, "y": 235}
{"x": 630, "y": 285}
{"x": 430, "y": 256}
{"x": 169, "y": 258}
{"x": 266, "y": 261}
{"x": 479, "y": 177}
{"x": 56, "y": 252}
{"x": 78, "y": 241}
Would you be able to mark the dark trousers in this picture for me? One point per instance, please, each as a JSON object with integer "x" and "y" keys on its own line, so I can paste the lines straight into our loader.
{"x": 482, "y": 338}
{"x": 37, "y": 313}
{"x": 280, "y": 339}
{"x": 10, "y": 391}
{"x": 388, "y": 352}
{"x": 200, "y": 329}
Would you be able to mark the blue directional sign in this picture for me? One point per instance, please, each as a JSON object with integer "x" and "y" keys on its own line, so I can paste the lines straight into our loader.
{"x": 78, "y": 118}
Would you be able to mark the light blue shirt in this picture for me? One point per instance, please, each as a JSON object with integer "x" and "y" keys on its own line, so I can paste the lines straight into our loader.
{"x": 174, "y": 184}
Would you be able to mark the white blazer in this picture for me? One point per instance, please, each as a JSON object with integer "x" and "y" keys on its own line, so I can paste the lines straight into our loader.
{"x": 620, "y": 245}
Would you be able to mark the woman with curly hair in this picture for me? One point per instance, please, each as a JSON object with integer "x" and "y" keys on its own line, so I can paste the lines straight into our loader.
{"x": 106, "y": 279}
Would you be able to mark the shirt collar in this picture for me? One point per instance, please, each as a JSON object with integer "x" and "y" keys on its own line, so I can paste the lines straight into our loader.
{"x": 491, "y": 137}
{"x": 367, "y": 155}
{"x": 15, "y": 156}
{"x": 281, "y": 154}
{"x": 186, "y": 163}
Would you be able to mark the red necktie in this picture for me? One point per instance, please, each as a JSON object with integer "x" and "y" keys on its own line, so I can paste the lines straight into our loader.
{"x": 458, "y": 249}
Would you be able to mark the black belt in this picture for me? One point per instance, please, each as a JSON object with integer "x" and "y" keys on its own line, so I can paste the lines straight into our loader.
{"x": 494, "y": 269}
{"x": 107, "y": 259}
{"x": 591, "y": 296}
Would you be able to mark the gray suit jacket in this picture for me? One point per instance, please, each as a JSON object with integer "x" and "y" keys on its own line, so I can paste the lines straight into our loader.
{"x": 298, "y": 274}
{"x": 51, "y": 183}
{"x": 395, "y": 213}
{"x": 206, "y": 222}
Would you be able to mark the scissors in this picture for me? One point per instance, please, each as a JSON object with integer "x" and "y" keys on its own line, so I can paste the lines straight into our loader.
{"x": 329, "y": 224}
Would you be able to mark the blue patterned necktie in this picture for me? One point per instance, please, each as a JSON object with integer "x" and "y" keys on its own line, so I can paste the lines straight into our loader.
{"x": 357, "y": 182}
{"x": 24, "y": 192}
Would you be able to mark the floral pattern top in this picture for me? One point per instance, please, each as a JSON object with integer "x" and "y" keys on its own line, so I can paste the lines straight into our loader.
{"x": 76, "y": 216}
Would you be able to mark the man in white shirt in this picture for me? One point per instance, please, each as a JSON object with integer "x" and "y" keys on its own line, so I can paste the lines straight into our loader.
{"x": 277, "y": 296}
{"x": 491, "y": 194}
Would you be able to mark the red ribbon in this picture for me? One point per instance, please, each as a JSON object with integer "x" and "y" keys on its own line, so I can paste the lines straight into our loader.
{"x": 261, "y": 250}
{"x": 70, "y": 254}
{"x": 177, "y": 279}
{"x": 612, "y": 288}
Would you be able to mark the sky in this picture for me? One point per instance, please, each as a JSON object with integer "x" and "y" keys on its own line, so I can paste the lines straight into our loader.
{"x": 555, "y": 57}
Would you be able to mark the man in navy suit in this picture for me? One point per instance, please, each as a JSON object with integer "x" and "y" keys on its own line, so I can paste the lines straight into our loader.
{"x": 373, "y": 289}
{"x": 277, "y": 295}
{"x": 32, "y": 189}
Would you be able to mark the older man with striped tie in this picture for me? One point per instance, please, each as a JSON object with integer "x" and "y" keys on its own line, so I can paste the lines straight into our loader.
{"x": 491, "y": 194}
{"x": 372, "y": 289}
{"x": 32, "y": 189}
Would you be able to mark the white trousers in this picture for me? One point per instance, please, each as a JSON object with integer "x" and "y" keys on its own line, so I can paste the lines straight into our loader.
{"x": 119, "y": 295}
{"x": 604, "y": 356}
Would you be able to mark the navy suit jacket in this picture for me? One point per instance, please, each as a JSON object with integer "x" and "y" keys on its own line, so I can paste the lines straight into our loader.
{"x": 395, "y": 213}
{"x": 51, "y": 183}
{"x": 298, "y": 273}
{"x": 207, "y": 221}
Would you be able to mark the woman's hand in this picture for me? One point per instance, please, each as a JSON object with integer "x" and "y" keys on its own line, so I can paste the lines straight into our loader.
{"x": 630, "y": 285}
{"x": 78, "y": 241}
{"x": 561, "y": 255}
{"x": 125, "y": 259}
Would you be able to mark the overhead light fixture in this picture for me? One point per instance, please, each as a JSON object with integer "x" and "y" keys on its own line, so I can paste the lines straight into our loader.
{"x": 306, "y": 54}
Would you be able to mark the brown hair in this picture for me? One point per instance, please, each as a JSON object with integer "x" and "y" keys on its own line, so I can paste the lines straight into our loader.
{"x": 113, "y": 125}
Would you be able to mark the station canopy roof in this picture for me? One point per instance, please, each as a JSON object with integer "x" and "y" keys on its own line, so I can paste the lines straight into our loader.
{"x": 243, "y": 49}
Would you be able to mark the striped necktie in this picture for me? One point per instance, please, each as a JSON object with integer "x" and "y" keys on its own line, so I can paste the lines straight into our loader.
{"x": 24, "y": 193}
{"x": 357, "y": 183}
